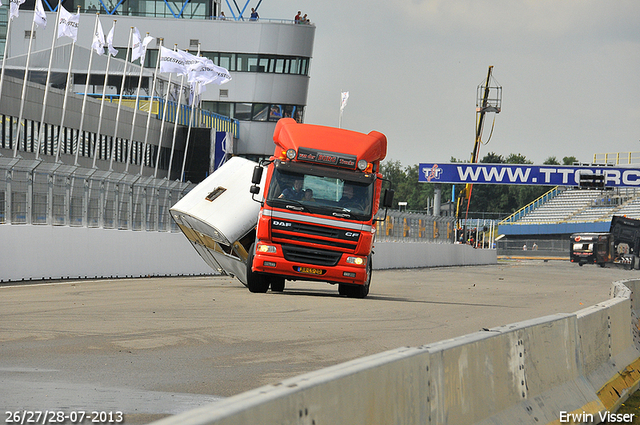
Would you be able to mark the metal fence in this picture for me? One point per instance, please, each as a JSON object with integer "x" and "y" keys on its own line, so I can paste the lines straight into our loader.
{"x": 38, "y": 192}
{"x": 530, "y": 246}
{"x": 46, "y": 193}
{"x": 415, "y": 227}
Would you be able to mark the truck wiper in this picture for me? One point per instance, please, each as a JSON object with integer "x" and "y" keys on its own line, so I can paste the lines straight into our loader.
{"x": 341, "y": 212}
{"x": 299, "y": 206}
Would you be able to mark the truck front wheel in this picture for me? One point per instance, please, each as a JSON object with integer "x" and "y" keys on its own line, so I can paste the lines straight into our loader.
{"x": 256, "y": 282}
{"x": 277, "y": 284}
{"x": 358, "y": 291}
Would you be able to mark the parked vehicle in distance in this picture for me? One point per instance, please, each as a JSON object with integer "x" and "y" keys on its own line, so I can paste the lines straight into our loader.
{"x": 618, "y": 248}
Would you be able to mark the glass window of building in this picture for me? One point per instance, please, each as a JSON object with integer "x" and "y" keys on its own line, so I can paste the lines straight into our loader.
{"x": 295, "y": 65}
{"x": 197, "y": 9}
{"x": 279, "y": 69}
{"x": 242, "y": 111}
{"x": 242, "y": 62}
{"x": 263, "y": 64}
{"x": 226, "y": 60}
{"x": 275, "y": 112}
{"x": 260, "y": 112}
{"x": 253, "y": 64}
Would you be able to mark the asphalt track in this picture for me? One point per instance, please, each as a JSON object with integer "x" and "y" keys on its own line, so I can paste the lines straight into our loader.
{"x": 158, "y": 346}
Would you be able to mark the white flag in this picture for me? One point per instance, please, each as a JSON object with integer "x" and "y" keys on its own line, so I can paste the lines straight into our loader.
{"x": 345, "y": 97}
{"x": 136, "y": 47}
{"x": 68, "y": 24}
{"x": 39, "y": 17}
{"x": 14, "y": 5}
{"x": 139, "y": 48}
{"x": 171, "y": 61}
{"x": 205, "y": 71}
{"x": 145, "y": 43}
{"x": 190, "y": 60}
{"x": 98, "y": 40}
{"x": 112, "y": 50}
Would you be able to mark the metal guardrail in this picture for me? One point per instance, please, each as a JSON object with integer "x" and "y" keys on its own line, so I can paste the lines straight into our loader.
{"x": 38, "y": 192}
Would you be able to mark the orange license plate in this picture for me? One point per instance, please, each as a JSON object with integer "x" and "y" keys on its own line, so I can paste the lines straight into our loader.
{"x": 309, "y": 270}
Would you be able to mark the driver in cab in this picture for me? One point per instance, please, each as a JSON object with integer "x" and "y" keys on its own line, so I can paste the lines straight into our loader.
{"x": 294, "y": 193}
{"x": 349, "y": 200}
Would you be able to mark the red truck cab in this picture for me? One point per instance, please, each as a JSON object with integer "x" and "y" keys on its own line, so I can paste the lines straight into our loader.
{"x": 319, "y": 199}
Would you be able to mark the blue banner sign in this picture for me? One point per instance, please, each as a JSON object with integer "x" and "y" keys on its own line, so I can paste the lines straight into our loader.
{"x": 546, "y": 175}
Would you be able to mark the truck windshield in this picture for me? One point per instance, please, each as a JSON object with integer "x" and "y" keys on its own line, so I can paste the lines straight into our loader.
{"x": 321, "y": 191}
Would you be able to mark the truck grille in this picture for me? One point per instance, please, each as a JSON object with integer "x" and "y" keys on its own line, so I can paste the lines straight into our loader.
{"x": 311, "y": 229}
{"x": 319, "y": 257}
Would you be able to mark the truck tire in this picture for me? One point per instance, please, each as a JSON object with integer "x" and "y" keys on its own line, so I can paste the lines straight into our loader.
{"x": 357, "y": 291}
{"x": 277, "y": 284}
{"x": 256, "y": 282}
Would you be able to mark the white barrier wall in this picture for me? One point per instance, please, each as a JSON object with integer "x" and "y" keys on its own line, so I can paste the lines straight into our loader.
{"x": 396, "y": 255}
{"x": 564, "y": 368}
{"x": 53, "y": 252}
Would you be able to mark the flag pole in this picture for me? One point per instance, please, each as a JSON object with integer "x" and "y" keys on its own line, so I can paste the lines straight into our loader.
{"x": 164, "y": 115}
{"x": 46, "y": 87}
{"x": 175, "y": 124}
{"x": 84, "y": 96}
{"x": 4, "y": 57}
{"x": 124, "y": 77}
{"x": 191, "y": 117}
{"x": 104, "y": 92}
{"x": 344, "y": 96}
{"x": 24, "y": 90}
{"x": 135, "y": 112}
{"x": 66, "y": 95}
{"x": 146, "y": 131}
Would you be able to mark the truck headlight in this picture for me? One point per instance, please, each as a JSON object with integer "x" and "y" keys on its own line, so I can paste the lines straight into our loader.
{"x": 266, "y": 248}
{"x": 356, "y": 260}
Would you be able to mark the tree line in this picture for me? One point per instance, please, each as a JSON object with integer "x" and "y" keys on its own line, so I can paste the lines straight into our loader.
{"x": 487, "y": 200}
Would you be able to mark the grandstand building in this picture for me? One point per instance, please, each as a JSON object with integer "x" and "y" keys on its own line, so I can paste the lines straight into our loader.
{"x": 268, "y": 59}
{"x": 105, "y": 169}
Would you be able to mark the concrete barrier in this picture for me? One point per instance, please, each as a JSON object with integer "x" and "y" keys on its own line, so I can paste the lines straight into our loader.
{"x": 31, "y": 252}
{"x": 392, "y": 255}
{"x": 564, "y": 368}
{"x": 34, "y": 252}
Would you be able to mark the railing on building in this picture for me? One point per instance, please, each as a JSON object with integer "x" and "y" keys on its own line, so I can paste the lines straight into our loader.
{"x": 532, "y": 205}
{"x": 203, "y": 118}
{"x": 617, "y": 158}
{"x": 67, "y": 140}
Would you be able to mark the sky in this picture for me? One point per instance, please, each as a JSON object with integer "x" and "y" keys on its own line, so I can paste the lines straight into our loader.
{"x": 569, "y": 72}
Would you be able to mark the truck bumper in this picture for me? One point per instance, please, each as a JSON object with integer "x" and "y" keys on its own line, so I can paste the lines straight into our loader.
{"x": 343, "y": 272}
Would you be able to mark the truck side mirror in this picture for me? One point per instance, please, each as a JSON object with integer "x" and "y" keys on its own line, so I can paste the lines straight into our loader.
{"x": 255, "y": 189}
{"x": 387, "y": 199}
{"x": 257, "y": 175}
